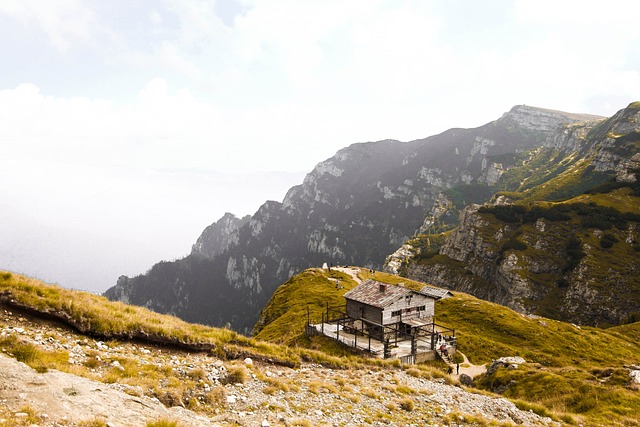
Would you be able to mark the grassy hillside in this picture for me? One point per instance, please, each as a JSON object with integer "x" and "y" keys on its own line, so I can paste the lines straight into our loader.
{"x": 96, "y": 316}
{"x": 572, "y": 373}
{"x": 579, "y": 371}
{"x": 306, "y": 296}
{"x": 588, "y": 244}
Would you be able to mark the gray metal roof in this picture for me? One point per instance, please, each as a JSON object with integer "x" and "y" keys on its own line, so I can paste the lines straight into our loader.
{"x": 436, "y": 293}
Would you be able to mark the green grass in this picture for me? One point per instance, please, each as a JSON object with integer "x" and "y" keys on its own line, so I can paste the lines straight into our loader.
{"x": 304, "y": 296}
{"x": 32, "y": 355}
{"x": 98, "y": 317}
{"x": 571, "y": 372}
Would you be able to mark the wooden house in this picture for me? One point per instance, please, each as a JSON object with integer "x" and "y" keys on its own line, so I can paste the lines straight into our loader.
{"x": 381, "y": 308}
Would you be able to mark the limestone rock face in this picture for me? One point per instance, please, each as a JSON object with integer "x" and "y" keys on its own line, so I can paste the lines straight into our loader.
{"x": 355, "y": 208}
{"x": 557, "y": 267}
{"x": 217, "y": 237}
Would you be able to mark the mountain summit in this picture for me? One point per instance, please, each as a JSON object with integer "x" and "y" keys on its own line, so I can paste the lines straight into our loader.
{"x": 558, "y": 242}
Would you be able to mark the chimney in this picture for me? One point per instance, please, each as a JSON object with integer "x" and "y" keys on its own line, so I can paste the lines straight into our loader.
{"x": 383, "y": 287}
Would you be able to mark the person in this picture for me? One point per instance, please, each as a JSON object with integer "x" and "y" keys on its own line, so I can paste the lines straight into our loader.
{"x": 457, "y": 368}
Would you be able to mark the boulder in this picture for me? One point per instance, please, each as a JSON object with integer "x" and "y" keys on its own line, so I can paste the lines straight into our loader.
{"x": 505, "y": 362}
{"x": 465, "y": 379}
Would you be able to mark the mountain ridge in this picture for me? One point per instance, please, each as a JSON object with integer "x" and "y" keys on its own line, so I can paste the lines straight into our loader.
{"x": 353, "y": 208}
{"x": 522, "y": 263}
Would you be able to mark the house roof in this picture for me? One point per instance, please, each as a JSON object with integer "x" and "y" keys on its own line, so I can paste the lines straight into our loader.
{"x": 436, "y": 293}
{"x": 370, "y": 293}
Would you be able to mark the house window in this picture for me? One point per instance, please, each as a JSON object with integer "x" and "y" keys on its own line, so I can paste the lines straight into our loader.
{"x": 408, "y": 310}
{"x": 422, "y": 308}
{"x": 396, "y": 313}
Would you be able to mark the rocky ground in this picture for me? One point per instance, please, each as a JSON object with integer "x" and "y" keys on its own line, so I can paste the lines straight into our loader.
{"x": 99, "y": 387}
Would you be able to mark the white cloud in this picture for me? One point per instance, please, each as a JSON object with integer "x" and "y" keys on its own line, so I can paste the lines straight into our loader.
{"x": 120, "y": 92}
{"x": 65, "y": 22}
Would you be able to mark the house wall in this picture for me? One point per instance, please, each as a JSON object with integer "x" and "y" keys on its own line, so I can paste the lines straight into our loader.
{"x": 357, "y": 310}
{"x": 411, "y": 304}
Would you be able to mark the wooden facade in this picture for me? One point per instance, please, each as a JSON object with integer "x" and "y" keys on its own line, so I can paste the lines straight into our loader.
{"x": 388, "y": 321}
{"x": 383, "y": 308}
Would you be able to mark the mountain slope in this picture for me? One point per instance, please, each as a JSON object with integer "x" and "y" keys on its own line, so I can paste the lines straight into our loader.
{"x": 567, "y": 368}
{"x": 79, "y": 380}
{"x": 573, "y": 259}
{"x": 354, "y": 208}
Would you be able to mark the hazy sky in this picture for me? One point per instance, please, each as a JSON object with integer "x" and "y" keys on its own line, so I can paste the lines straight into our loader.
{"x": 144, "y": 121}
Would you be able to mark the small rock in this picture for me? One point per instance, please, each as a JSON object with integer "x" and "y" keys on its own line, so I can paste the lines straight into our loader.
{"x": 248, "y": 361}
{"x": 265, "y": 423}
{"x": 465, "y": 379}
{"x": 231, "y": 399}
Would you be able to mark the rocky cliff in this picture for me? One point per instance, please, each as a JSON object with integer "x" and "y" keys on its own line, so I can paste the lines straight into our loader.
{"x": 574, "y": 259}
{"x": 354, "y": 208}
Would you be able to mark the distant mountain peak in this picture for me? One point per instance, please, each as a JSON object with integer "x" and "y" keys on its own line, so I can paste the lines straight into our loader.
{"x": 543, "y": 119}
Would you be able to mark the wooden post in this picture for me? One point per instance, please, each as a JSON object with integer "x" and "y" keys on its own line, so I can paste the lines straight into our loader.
{"x": 355, "y": 337}
{"x": 322, "y": 327}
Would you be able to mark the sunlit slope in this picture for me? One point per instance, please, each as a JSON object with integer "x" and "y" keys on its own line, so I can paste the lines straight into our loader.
{"x": 569, "y": 368}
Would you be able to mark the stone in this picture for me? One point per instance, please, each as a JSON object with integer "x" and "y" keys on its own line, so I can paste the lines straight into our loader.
{"x": 465, "y": 379}
{"x": 248, "y": 361}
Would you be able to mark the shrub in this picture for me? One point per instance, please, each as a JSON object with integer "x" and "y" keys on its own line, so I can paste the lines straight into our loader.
{"x": 407, "y": 404}
{"x": 217, "y": 396}
{"x": 608, "y": 240}
{"x": 235, "y": 375}
{"x": 574, "y": 253}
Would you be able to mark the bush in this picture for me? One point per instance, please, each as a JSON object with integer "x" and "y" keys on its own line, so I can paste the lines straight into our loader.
{"x": 235, "y": 375}
{"x": 608, "y": 240}
{"x": 217, "y": 397}
{"x": 574, "y": 253}
{"x": 407, "y": 404}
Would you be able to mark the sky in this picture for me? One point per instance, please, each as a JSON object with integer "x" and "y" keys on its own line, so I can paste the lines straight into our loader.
{"x": 127, "y": 127}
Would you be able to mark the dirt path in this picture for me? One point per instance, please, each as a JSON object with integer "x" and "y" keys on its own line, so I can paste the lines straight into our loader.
{"x": 353, "y": 272}
{"x": 467, "y": 368}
